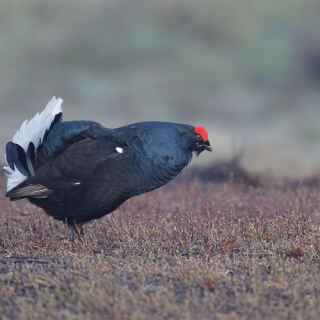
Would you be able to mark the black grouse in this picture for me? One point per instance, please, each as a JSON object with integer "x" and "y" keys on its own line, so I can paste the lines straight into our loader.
{"x": 78, "y": 171}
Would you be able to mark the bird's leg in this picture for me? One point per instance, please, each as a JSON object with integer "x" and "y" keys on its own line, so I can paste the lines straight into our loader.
{"x": 71, "y": 232}
{"x": 74, "y": 231}
{"x": 79, "y": 230}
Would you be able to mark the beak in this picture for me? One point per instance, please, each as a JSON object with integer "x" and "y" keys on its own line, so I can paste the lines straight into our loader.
{"x": 207, "y": 146}
{"x": 203, "y": 145}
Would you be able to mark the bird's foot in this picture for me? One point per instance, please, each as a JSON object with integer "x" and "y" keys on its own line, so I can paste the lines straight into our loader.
{"x": 75, "y": 232}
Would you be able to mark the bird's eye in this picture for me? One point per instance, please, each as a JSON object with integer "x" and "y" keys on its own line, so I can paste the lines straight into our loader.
{"x": 119, "y": 149}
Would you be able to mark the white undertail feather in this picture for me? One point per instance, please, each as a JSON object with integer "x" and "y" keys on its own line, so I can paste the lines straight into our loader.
{"x": 14, "y": 177}
{"x": 32, "y": 130}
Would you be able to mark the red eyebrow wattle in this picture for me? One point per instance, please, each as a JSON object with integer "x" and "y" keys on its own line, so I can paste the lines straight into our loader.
{"x": 202, "y": 132}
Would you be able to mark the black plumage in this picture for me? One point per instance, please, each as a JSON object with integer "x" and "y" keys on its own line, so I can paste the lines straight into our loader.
{"x": 81, "y": 171}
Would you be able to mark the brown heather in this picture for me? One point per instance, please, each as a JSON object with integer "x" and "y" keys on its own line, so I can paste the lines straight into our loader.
{"x": 195, "y": 249}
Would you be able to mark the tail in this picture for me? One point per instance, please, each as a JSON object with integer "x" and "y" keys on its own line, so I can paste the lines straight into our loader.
{"x": 21, "y": 151}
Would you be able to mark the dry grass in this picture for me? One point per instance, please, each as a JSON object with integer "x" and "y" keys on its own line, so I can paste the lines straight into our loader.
{"x": 192, "y": 250}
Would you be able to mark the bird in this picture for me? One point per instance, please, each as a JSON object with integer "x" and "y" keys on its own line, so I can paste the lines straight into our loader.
{"x": 78, "y": 171}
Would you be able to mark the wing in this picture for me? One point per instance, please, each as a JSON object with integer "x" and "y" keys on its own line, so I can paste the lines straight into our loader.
{"x": 88, "y": 162}
{"x": 64, "y": 134}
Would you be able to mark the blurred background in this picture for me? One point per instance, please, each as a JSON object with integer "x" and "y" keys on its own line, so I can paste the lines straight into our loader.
{"x": 248, "y": 70}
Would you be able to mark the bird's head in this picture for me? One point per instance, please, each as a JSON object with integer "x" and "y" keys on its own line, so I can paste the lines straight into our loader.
{"x": 196, "y": 139}
{"x": 201, "y": 140}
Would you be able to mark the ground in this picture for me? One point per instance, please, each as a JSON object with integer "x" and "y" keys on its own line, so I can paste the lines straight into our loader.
{"x": 195, "y": 249}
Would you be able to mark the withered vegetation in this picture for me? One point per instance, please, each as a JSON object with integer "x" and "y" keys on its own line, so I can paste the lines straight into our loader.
{"x": 195, "y": 249}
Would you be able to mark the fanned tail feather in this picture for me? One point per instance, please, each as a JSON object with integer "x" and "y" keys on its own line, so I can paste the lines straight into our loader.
{"x": 21, "y": 151}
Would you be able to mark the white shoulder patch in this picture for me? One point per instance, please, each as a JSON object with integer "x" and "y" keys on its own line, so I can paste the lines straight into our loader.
{"x": 32, "y": 130}
{"x": 119, "y": 149}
